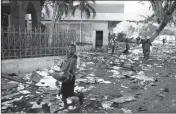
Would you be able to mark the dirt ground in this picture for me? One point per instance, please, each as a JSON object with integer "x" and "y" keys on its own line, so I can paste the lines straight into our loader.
{"x": 150, "y": 100}
{"x": 158, "y": 96}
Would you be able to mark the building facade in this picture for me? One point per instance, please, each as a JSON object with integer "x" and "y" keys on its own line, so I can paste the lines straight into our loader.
{"x": 107, "y": 17}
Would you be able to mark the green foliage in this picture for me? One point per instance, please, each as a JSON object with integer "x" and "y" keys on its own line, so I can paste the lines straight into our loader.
{"x": 85, "y": 7}
{"x": 62, "y": 8}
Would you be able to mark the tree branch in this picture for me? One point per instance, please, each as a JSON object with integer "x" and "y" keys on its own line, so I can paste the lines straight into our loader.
{"x": 167, "y": 18}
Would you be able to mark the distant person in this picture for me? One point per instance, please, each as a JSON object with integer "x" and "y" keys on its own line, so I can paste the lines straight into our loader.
{"x": 164, "y": 41}
{"x": 126, "y": 51}
{"x": 138, "y": 39}
{"x": 146, "y": 47}
{"x": 113, "y": 45}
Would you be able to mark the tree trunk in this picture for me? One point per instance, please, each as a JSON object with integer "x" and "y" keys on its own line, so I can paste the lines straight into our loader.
{"x": 160, "y": 28}
{"x": 175, "y": 36}
{"x": 52, "y": 26}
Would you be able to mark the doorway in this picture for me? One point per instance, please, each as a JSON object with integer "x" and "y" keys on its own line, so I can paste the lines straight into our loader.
{"x": 99, "y": 39}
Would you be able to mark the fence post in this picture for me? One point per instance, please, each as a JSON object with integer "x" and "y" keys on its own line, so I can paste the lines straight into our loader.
{"x": 19, "y": 39}
{"x": 8, "y": 32}
{"x": 25, "y": 47}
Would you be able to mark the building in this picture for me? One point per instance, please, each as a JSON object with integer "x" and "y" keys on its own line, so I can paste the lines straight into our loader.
{"x": 108, "y": 15}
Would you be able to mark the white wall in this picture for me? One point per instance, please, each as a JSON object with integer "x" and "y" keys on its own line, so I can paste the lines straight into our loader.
{"x": 95, "y": 26}
{"x": 99, "y": 17}
{"x": 20, "y": 66}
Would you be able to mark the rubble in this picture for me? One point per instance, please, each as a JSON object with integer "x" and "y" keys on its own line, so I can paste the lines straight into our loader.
{"x": 123, "y": 99}
{"x": 56, "y": 106}
{"x": 104, "y": 91}
{"x": 10, "y": 96}
{"x": 142, "y": 108}
{"x": 47, "y": 81}
{"x": 35, "y": 77}
{"x": 107, "y": 104}
{"x": 11, "y": 84}
{"x": 125, "y": 110}
{"x": 11, "y": 101}
{"x": 24, "y": 92}
{"x": 36, "y": 105}
{"x": 124, "y": 86}
{"x": 164, "y": 89}
{"x": 141, "y": 76}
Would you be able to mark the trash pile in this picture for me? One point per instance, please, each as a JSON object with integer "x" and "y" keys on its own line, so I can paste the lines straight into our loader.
{"x": 39, "y": 93}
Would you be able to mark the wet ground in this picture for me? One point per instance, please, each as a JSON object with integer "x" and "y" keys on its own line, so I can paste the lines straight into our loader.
{"x": 110, "y": 87}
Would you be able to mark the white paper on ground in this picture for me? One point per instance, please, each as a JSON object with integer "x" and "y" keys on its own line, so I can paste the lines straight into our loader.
{"x": 48, "y": 81}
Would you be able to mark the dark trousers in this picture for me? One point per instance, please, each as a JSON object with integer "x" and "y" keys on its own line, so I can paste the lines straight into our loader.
{"x": 113, "y": 49}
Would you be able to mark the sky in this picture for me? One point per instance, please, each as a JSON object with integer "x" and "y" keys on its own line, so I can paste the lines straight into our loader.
{"x": 133, "y": 9}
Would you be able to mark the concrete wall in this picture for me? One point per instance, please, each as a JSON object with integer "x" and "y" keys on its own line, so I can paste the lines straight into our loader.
{"x": 20, "y": 66}
{"x": 27, "y": 65}
{"x": 84, "y": 48}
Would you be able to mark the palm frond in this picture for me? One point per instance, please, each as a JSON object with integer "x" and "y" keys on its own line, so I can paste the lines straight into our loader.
{"x": 42, "y": 2}
{"x": 60, "y": 11}
{"x": 87, "y": 11}
{"x": 92, "y": 10}
{"x": 47, "y": 10}
{"x": 85, "y": 7}
{"x": 74, "y": 9}
{"x": 93, "y": 1}
{"x": 66, "y": 10}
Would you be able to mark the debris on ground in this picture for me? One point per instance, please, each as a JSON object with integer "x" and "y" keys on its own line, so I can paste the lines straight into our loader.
{"x": 142, "y": 108}
{"x": 107, "y": 104}
{"x": 119, "y": 76}
{"x": 125, "y": 110}
{"x": 165, "y": 89}
{"x": 124, "y": 99}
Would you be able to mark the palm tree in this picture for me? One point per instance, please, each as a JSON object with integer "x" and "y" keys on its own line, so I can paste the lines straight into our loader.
{"x": 84, "y": 7}
{"x": 60, "y": 8}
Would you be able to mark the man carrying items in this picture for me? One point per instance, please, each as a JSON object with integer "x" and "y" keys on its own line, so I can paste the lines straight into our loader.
{"x": 68, "y": 77}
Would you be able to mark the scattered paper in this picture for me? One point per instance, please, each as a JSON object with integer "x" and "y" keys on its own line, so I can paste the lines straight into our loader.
{"x": 124, "y": 99}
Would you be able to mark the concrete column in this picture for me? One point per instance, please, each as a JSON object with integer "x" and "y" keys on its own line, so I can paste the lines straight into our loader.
{"x": 94, "y": 38}
{"x": 105, "y": 40}
{"x": 105, "y": 37}
{"x": 27, "y": 19}
{"x": 9, "y": 20}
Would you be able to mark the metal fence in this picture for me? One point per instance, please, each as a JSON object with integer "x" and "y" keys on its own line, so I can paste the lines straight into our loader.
{"x": 21, "y": 43}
